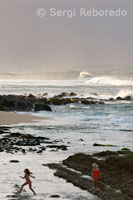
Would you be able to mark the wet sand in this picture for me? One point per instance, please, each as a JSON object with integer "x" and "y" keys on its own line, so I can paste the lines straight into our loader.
{"x": 8, "y": 118}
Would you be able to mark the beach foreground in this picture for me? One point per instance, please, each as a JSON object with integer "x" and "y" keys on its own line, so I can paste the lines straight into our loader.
{"x": 19, "y": 150}
{"x": 34, "y": 146}
{"x": 7, "y": 118}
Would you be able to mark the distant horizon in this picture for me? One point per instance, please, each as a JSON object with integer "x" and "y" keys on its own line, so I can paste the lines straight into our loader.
{"x": 64, "y": 72}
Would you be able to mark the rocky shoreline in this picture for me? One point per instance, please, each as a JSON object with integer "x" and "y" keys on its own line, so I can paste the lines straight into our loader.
{"x": 23, "y": 143}
{"x": 116, "y": 180}
{"x": 42, "y": 102}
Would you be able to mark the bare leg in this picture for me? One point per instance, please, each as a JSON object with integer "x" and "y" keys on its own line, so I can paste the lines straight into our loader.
{"x": 22, "y": 187}
{"x": 96, "y": 182}
{"x": 30, "y": 186}
{"x": 93, "y": 182}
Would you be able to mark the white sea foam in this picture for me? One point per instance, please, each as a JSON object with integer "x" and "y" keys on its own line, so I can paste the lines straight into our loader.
{"x": 74, "y": 107}
{"x": 106, "y": 80}
{"x": 125, "y": 93}
{"x": 59, "y": 83}
{"x": 95, "y": 81}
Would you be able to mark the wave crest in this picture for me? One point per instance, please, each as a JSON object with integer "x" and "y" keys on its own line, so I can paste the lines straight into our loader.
{"x": 100, "y": 81}
{"x": 84, "y": 74}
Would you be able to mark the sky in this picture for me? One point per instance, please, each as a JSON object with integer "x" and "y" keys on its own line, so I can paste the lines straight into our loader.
{"x": 26, "y": 39}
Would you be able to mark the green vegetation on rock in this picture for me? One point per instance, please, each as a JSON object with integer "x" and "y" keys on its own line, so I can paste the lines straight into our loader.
{"x": 104, "y": 145}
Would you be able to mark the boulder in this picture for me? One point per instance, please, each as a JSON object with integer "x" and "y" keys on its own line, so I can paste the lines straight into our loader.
{"x": 86, "y": 102}
{"x": 127, "y": 98}
{"x": 4, "y": 108}
{"x": 63, "y": 94}
{"x": 67, "y": 101}
{"x": 15, "y": 134}
{"x": 8, "y": 103}
{"x": 1, "y": 149}
{"x": 31, "y": 96}
{"x": 72, "y": 94}
{"x": 21, "y": 106}
{"x": 55, "y": 196}
{"x": 56, "y": 101}
{"x": 62, "y": 147}
{"x": 45, "y": 94}
{"x": 14, "y": 161}
{"x": 111, "y": 99}
{"x": 42, "y": 106}
{"x": 119, "y": 98}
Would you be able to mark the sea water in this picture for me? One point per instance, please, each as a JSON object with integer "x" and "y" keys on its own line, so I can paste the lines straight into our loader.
{"x": 75, "y": 125}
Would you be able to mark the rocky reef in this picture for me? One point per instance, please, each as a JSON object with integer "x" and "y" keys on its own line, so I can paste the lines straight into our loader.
{"x": 15, "y": 142}
{"x": 116, "y": 181}
{"x": 38, "y": 103}
{"x": 43, "y": 102}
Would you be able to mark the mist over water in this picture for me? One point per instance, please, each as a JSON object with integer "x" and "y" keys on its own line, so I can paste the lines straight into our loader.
{"x": 64, "y": 72}
{"x": 105, "y": 80}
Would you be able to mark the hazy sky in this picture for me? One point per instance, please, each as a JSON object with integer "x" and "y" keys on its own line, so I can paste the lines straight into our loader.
{"x": 28, "y": 39}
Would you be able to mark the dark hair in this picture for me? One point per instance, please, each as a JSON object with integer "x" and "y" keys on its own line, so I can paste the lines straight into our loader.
{"x": 28, "y": 171}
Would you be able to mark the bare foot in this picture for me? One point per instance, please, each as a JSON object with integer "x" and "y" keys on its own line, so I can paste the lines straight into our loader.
{"x": 18, "y": 192}
{"x": 92, "y": 189}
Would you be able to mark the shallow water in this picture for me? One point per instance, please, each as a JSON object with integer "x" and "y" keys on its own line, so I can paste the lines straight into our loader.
{"x": 45, "y": 183}
{"x": 94, "y": 125}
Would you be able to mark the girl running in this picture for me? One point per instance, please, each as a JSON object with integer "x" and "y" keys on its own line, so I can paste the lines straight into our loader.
{"x": 27, "y": 176}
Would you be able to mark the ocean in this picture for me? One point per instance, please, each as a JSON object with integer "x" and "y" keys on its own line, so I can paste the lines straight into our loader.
{"x": 76, "y": 125}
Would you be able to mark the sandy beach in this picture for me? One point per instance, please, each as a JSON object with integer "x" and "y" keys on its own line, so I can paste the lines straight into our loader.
{"x": 8, "y": 118}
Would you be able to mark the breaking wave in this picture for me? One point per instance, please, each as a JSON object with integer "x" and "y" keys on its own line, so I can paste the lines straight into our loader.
{"x": 104, "y": 80}
{"x": 84, "y": 74}
{"x": 125, "y": 93}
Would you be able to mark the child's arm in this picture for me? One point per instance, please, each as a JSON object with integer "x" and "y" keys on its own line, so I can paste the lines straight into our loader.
{"x": 32, "y": 176}
{"x": 22, "y": 177}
